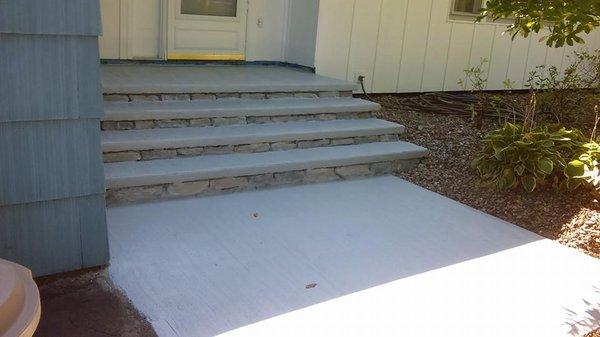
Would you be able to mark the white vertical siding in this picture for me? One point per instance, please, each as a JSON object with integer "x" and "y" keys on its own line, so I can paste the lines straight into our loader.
{"x": 131, "y": 29}
{"x": 459, "y": 54}
{"x": 499, "y": 59}
{"x": 301, "y": 32}
{"x": 266, "y": 42}
{"x": 435, "y": 58}
{"x": 363, "y": 42}
{"x": 333, "y": 37}
{"x": 110, "y": 11}
{"x": 414, "y": 46}
{"x": 386, "y": 69}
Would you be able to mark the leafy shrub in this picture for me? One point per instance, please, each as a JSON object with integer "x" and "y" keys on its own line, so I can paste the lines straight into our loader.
{"x": 476, "y": 81}
{"x": 584, "y": 168}
{"x": 514, "y": 155}
{"x": 566, "y": 97}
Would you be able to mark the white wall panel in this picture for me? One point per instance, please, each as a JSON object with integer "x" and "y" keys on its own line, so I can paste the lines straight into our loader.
{"x": 414, "y": 48}
{"x": 440, "y": 31}
{"x": 265, "y": 41}
{"x": 418, "y": 47}
{"x": 301, "y": 32}
{"x": 459, "y": 54}
{"x": 109, "y": 41}
{"x": 143, "y": 29}
{"x": 333, "y": 37}
{"x": 483, "y": 43}
{"x": 389, "y": 46}
{"x": 536, "y": 57}
{"x": 499, "y": 59}
{"x": 363, "y": 44}
{"x": 518, "y": 61}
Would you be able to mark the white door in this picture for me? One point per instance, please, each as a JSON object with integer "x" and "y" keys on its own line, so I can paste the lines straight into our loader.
{"x": 207, "y": 29}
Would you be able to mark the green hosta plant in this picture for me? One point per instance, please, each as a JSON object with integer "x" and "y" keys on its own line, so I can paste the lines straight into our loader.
{"x": 514, "y": 155}
{"x": 585, "y": 168}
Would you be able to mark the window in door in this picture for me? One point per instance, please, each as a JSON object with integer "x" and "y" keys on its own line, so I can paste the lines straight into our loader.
{"x": 226, "y": 8}
{"x": 467, "y": 7}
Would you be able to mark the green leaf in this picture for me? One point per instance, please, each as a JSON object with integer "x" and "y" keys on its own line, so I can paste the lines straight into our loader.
{"x": 545, "y": 165}
{"x": 509, "y": 178}
{"x": 520, "y": 169}
{"x": 574, "y": 169}
{"x": 529, "y": 183}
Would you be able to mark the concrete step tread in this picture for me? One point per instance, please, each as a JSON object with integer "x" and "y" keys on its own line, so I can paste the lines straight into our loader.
{"x": 114, "y": 141}
{"x": 120, "y": 111}
{"x": 165, "y": 79}
{"x": 129, "y": 174}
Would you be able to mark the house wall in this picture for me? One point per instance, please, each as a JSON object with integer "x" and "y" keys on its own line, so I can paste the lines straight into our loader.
{"x": 267, "y": 42}
{"x": 132, "y": 29}
{"x": 302, "y": 32}
{"x": 415, "y": 46}
{"x": 52, "y": 210}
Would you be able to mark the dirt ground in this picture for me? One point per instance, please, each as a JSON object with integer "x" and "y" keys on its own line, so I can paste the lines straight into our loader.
{"x": 87, "y": 304}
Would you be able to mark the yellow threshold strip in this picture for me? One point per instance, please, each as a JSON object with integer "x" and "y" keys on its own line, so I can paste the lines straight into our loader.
{"x": 207, "y": 57}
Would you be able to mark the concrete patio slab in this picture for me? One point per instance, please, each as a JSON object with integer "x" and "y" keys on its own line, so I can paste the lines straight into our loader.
{"x": 167, "y": 79}
{"x": 374, "y": 257}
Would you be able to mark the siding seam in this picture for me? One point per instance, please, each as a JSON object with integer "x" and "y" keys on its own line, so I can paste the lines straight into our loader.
{"x": 491, "y": 57}
{"x": 527, "y": 60}
{"x": 426, "y": 45}
{"x": 447, "y": 57}
{"x": 509, "y": 60}
{"x": 377, "y": 46}
{"x": 403, "y": 46}
{"x": 471, "y": 46}
{"x": 350, "y": 44}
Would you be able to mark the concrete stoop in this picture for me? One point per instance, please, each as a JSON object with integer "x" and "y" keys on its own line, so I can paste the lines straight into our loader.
{"x": 162, "y": 144}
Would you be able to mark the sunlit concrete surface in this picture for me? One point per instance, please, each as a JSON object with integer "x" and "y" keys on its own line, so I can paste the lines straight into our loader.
{"x": 374, "y": 257}
{"x": 165, "y": 79}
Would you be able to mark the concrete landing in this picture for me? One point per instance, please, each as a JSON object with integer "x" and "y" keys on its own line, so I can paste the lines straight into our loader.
{"x": 374, "y": 257}
{"x": 167, "y": 79}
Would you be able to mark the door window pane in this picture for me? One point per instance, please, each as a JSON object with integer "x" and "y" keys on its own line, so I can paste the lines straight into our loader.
{"x": 209, "y": 7}
{"x": 467, "y": 6}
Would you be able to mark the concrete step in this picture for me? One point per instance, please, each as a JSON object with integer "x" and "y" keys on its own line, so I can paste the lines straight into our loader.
{"x": 178, "y": 79}
{"x": 184, "y": 142}
{"x": 170, "y": 178}
{"x": 144, "y": 115}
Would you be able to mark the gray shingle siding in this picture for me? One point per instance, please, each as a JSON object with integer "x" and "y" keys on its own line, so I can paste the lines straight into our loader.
{"x": 57, "y": 17}
{"x": 52, "y": 210}
{"x": 55, "y": 236}
{"x": 49, "y": 77}
{"x": 48, "y": 160}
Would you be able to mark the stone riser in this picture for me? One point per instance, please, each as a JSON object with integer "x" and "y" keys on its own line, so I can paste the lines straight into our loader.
{"x": 142, "y": 155}
{"x": 226, "y": 121}
{"x": 244, "y": 183}
{"x": 213, "y": 96}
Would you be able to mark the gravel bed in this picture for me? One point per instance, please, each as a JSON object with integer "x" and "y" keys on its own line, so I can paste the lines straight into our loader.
{"x": 571, "y": 218}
